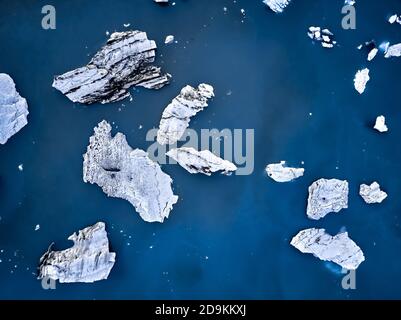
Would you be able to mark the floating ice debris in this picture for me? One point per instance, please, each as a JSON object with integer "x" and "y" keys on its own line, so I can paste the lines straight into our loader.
{"x": 176, "y": 117}
{"x": 169, "y": 39}
{"x": 280, "y": 173}
{"x": 380, "y": 124}
{"x": 349, "y": 2}
{"x": 128, "y": 174}
{"x": 325, "y": 37}
{"x": 126, "y": 25}
{"x": 21, "y": 167}
{"x": 87, "y": 261}
{"x": 243, "y": 12}
{"x": 125, "y": 61}
{"x": 37, "y": 227}
{"x": 372, "y": 54}
{"x": 277, "y": 6}
{"x": 13, "y": 109}
{"x": 395, "y": 19}
{"x": 361, "y": 79}
{"x": 372, "y": 194}
{"x": 161, "y": 1}
{"x": 201, "y": 161}
{"x": 393, "y": 51}
{"x": 371, "y": 49}
{"x": 339, "y": 249}
{"x": 326, "y": 196}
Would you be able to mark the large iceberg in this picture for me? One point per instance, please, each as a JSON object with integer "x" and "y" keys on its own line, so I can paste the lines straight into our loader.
{"x": 13, "y": 109}
{"x": 339, "y": 249}
{"x": 128, "y": 174}
{"x": 88, "y": 260}
{"x": 125, "y": 61}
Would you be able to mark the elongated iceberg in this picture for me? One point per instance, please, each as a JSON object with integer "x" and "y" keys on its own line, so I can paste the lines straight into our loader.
{"x": 326, "y": 196}
{"x": 279, "y": 172}
{"x": 339, "y": 249}
{"x": 177, "y": 115}
{"x": 201, "y": 161}
{"x": 13, "y": 109}
{"x": 125, "y": 61}
{"x": 128, "y": 174}
{"x": 88, "y": 260}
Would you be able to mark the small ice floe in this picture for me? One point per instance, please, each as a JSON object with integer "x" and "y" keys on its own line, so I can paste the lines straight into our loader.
{"x": 372, "y": 194}
{"x": 243, "y": 12}
{"x": 169, "y": 39}
{"x": 126, "y": 25}
{"x": 395, "y": 18}
{"x": 277, "y": 6}
{"x": 21, "y": 167}
{"x": 361, "y": 79}
{"x": 380, "y": 124}
{"x": 349, "y": 2}
{"x": 371, "y": 48}
{"x": 393, "y": 51}
{"x": 37, "y": 227}
{"x": 372, "y": 54}
{"x": 280, "y": 173}
{"x": 161, "y": 1}
{"x": 325, "y": 36}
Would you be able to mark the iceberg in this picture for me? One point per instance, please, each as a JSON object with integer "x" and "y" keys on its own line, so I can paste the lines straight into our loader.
{"x": 361, "y": 79}
{"x": 326, "y": 196}
{"x": 128, "y": 174}
{"x": 372, "y": 194}
{"x": 279, "y": 172}
{"x": 201, "y": 161}
{"x": 339, "y": 249}
{"x": 177, "y": 115}
{"x": 88, "y": 260}
{"x": 125, "y": 61}
{"x": 13, "y": 109}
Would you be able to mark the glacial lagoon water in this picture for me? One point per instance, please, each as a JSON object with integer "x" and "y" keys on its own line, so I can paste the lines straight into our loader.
{"x": 228, "y": 237}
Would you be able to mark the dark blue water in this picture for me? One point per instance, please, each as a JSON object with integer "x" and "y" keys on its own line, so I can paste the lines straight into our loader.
{"x": 228, "y": 237}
